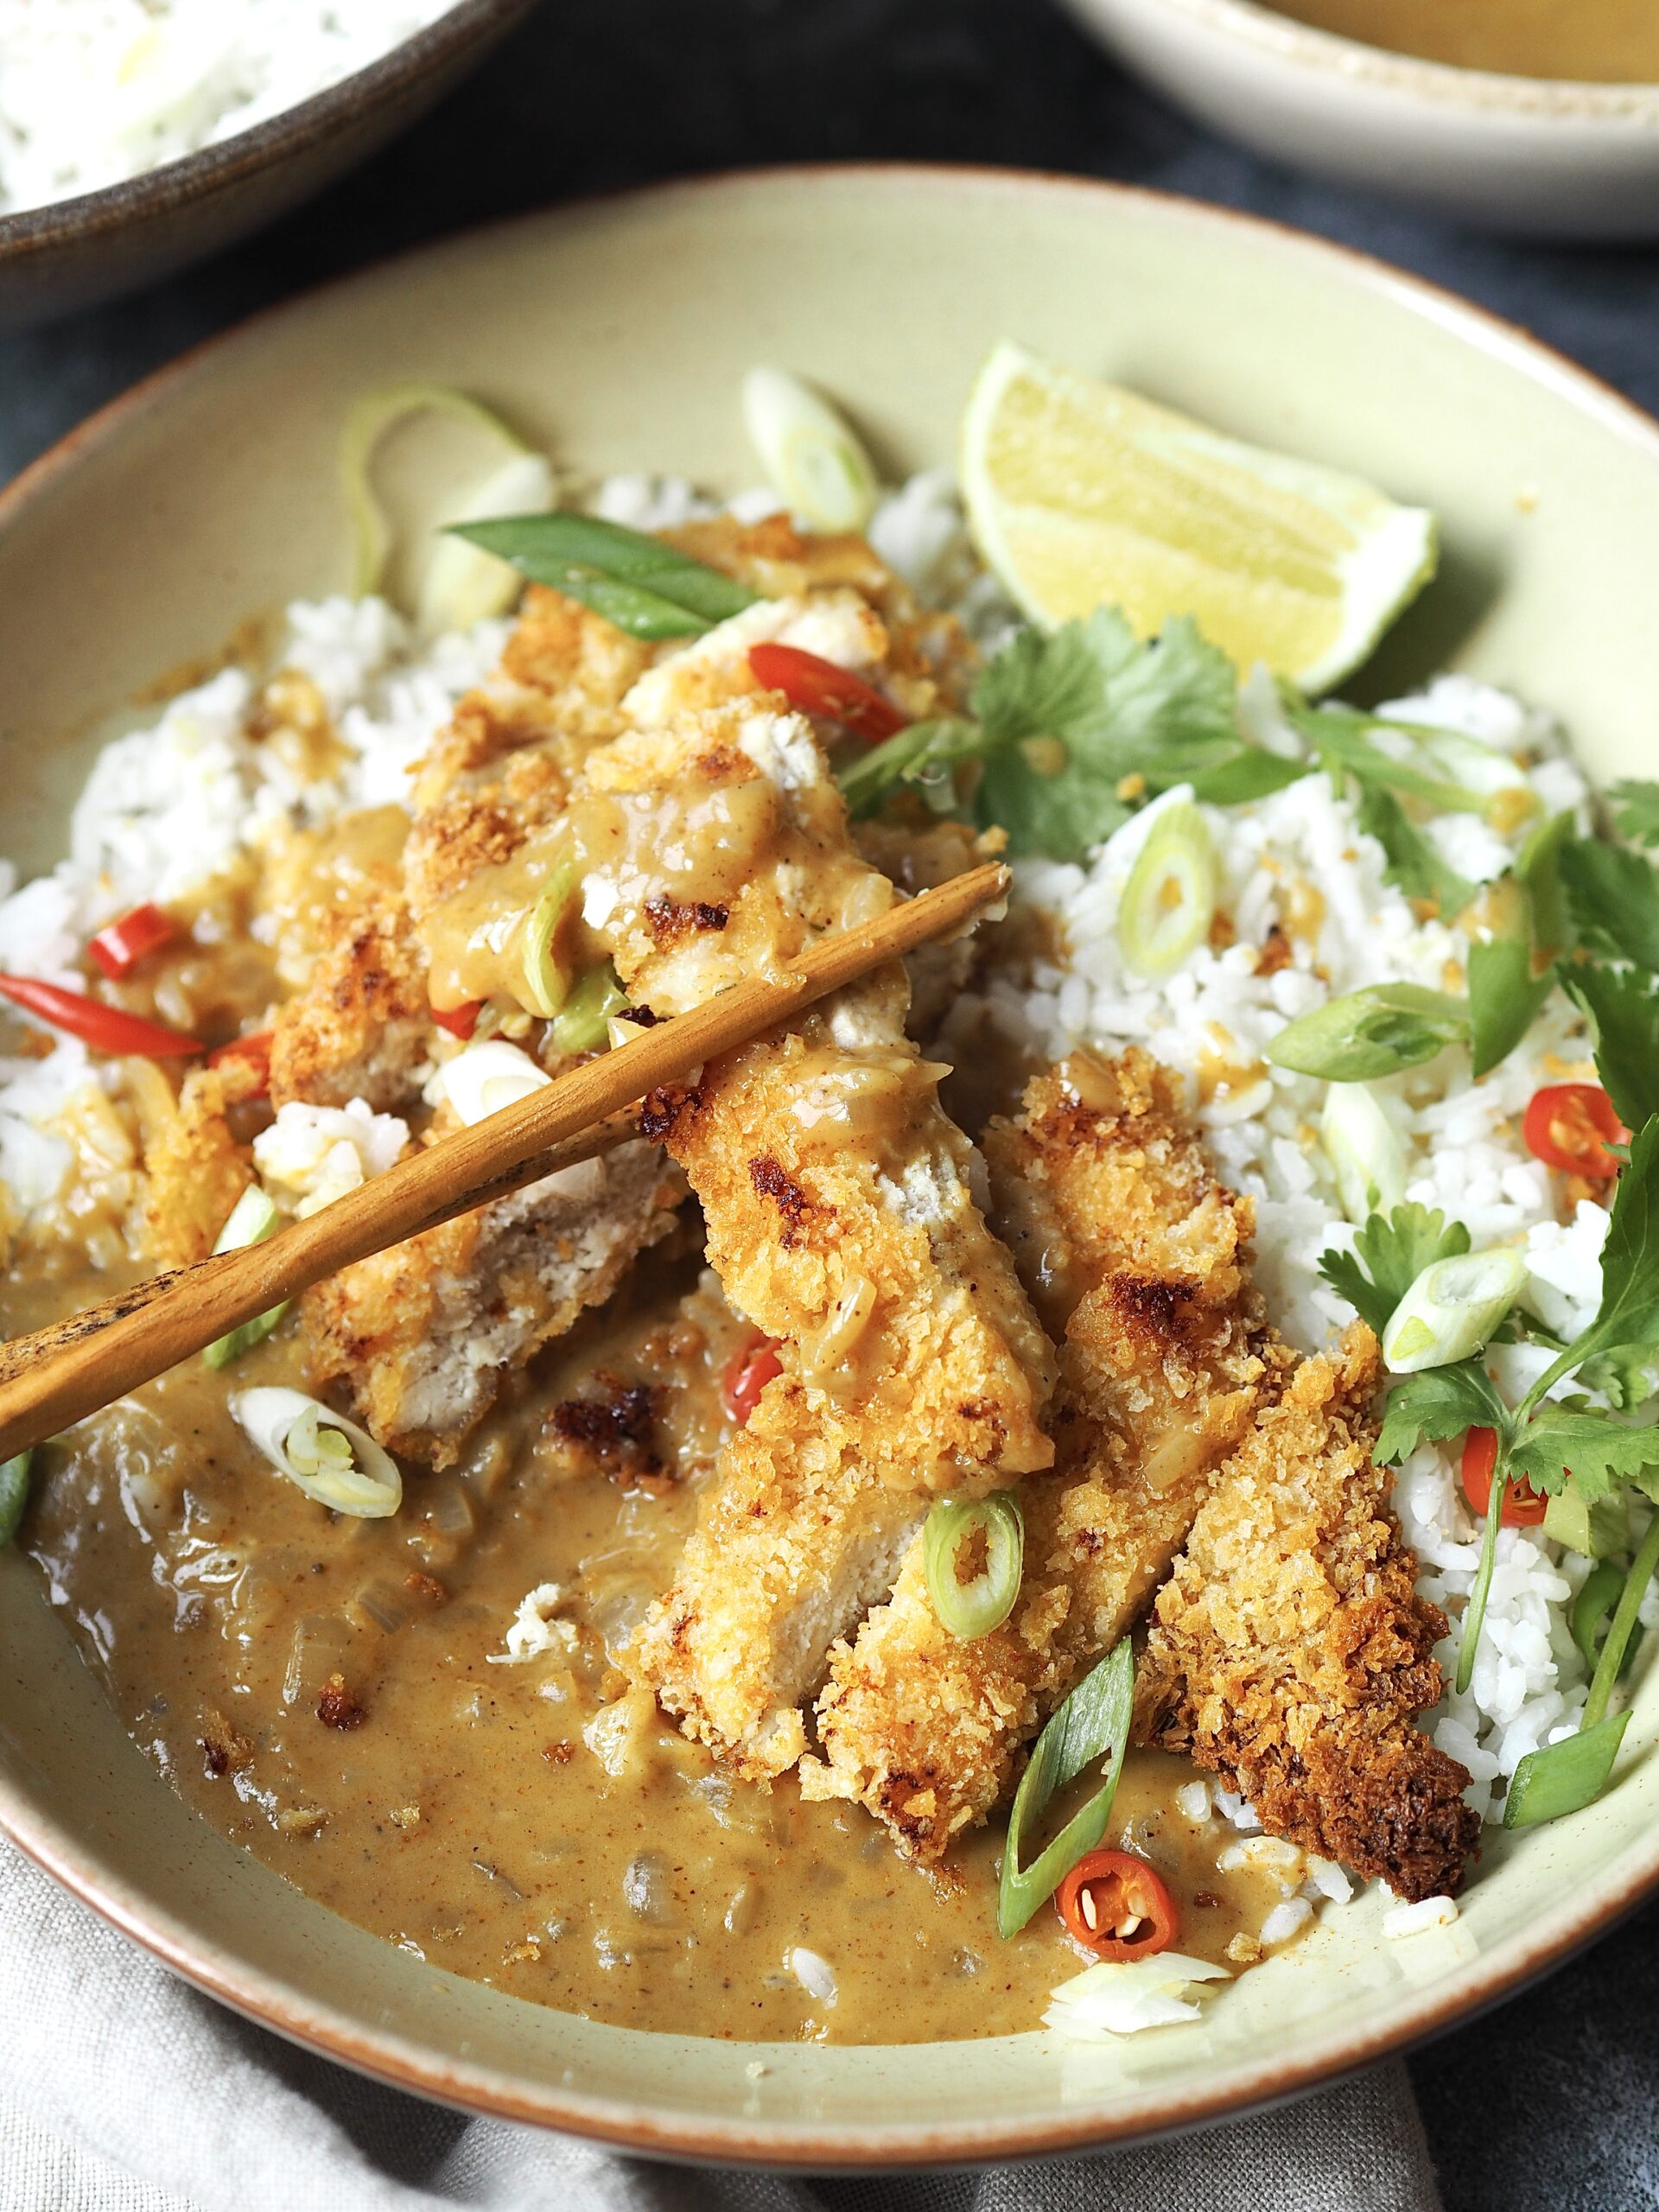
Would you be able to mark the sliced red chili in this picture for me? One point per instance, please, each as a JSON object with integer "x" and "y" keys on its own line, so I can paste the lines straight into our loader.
{"x": 458, "y": 1020}
{"x": 119, "y": 946}
{"x": 1572, "y": 1126}
{"x": 1118, "y": 1906}
{"x": 747, "y": 1375}
{"x": 105, "y": 1028}
{"x": 1523, "y": 1507}
{"x": 815, "y": 686}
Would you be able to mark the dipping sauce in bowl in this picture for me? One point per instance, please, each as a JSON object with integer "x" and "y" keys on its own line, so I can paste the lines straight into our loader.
{"x": 1598, "y": 41}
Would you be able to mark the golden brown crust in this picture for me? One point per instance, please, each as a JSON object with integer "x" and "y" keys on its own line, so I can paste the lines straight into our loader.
{"x": 195, "y": 1170}
{"x": 362, "y": 1024}
{"x": 1289, "y": 1649}
{"x": 1128, "y": 1241}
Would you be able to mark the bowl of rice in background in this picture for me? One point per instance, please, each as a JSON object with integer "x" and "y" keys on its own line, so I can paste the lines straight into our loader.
{"x": 139, "y": 135}
{"x": 887, "y": 286}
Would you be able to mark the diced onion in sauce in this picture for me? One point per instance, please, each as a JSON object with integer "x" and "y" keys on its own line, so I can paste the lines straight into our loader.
{"x": 1451, "y": 1309}
{"x": 813, "y": 458}
{"x": 1169, "y": 901}
{"x": 325, "y": 1455}
{"x": 974, "y": 1607}
{"x": 483, "y": 1078}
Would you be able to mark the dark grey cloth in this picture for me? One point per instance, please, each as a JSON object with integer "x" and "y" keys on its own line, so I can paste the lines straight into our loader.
{"x": 1548, "y": 2105}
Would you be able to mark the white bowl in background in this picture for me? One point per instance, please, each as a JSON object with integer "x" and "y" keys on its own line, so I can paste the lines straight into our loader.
{"x": 1541, "y": 156}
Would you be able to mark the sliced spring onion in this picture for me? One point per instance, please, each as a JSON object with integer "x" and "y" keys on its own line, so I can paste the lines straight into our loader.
{"x": 639, "y": 582}
{"x": 583, "y": 1022}
{"x": 1169, "y": 901}
{"x": 250, "y": 1220}
{"x": 1451, "y": 1309}
{"x": 328, "y": 1457}
{"x": 545, "y": 978}
{"x": 813, "y": 458}
{"x": 522, "y": 479}
{"x": 1564, "y": 1777}
{"x": 974, "y": 1607}
{"x": 484, "y": 1077}
{"x": 1371, "y": 1034}
{"x": 1093, "y": 1722}
{"x": 13, "y": 1494}
{"x": 461, "y": 584}
{"x": 1364, "y": 1150}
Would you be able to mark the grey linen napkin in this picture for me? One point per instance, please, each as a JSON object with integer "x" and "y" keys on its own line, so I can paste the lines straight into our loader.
{"x": 124, "y": 2090}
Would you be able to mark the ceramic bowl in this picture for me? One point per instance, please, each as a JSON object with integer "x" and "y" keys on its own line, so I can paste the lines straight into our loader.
{"x": 74, "y": 253}
{"x": 618, "y": 333}
{"x": 1545, "y": 158}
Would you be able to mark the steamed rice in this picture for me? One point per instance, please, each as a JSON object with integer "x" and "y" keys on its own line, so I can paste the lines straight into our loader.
{"x": 93, "y": 92}
{"x": 168, "y": 804}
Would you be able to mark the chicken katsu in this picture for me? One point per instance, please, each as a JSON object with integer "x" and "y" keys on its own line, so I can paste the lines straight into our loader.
{"x": 705, "y": 1589}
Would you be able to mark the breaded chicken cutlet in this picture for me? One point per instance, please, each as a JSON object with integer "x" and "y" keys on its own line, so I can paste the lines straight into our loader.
{"x": 419, "y": 1340}
{"x": 840, "y": 1215}
{"x": 1289, "y": 1650}
{"x": 1133, "y": 1248}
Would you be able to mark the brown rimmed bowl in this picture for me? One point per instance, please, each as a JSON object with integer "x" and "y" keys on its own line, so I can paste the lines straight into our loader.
{"x": 616, "y": 332}
{"x": 77, "y": 252}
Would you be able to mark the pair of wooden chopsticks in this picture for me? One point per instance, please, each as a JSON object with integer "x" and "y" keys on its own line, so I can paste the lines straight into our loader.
{"x": 60, "y": 1375}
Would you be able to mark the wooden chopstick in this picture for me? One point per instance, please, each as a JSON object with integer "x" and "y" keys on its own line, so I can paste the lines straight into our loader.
{"x": 59, "y": 1375}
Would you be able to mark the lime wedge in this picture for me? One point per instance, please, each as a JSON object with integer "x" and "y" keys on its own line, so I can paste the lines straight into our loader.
{"x": 1081, "y": 494}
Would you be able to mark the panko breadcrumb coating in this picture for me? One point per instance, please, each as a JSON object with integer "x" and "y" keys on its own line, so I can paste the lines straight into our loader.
{"x": 1129, "y": 1244}
{"x": 840, "y": 1216}
{"x": 1289, "y": 1649}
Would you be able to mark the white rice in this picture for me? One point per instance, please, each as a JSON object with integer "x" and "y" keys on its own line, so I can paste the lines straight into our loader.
{"x": 170, "y": 805}
{"x": 1299, "y": 858}
{"x": 92, "y": 92}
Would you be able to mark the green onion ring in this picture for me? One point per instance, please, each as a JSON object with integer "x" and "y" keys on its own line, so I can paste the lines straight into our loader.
{"x": 14, "y": 1493}
{"x": 583, "y": 1022}
{"x": 1169, "y": 901}
{"x": 973, "y": 1609}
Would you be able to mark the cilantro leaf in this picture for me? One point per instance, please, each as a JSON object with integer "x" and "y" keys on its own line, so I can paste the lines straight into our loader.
{"x": 1251, "y": 772}
{"x": 1067, "y": 717}
{"x": 1621, "y": 1007}
{"x": 1415, "y": 863}
{"x": 1636, "y": 811}
{"x": 1614, "y": 899}
{"x": 1628, "y": 1313}
{"x": 1627, "y": 1376}
{"x": 1599, "y": 1453}
{"x": 1435, "y": 1403}
{"x": 1389, "y": 1253}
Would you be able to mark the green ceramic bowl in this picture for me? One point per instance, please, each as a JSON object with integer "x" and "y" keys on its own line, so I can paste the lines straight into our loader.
{"x": 618, "y": 331}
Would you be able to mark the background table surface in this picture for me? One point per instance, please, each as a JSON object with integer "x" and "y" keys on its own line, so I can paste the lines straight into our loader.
{"x": 1547, "y": 2104}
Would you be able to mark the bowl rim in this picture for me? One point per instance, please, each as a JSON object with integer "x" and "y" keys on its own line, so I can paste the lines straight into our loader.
{"x": 1545, "y": 101}
{"x": 404, "y": 2063}
{"x": 191, "y": 177}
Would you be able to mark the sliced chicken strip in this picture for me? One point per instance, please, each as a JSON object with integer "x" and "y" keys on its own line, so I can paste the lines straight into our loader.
{"x": 1289, "y": 1650}
{"x": 839, "y": 1210}
{"x": 1130, "y": 1245}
